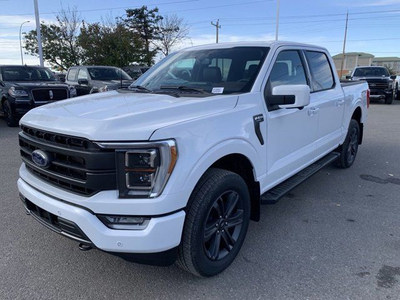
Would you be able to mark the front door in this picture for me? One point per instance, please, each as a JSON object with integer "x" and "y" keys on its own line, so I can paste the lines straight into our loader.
{"x": 291, "y": 133}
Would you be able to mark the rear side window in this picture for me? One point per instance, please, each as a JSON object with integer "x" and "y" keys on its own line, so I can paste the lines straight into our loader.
{"x": 322, "y": 77}
{"x": 72, "y": 74}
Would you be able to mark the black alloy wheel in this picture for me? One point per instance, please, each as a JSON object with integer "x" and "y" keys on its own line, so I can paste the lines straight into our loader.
{"x": 353, "y": 146}
{"x": 223, "y": 225}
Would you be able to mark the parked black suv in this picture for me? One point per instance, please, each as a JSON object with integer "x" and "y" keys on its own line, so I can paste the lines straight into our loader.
{"x": 135, "y": 71}
{"x": 381, "y": 84}
{"x": 94, "y": 79}
{"x": 25, "y": 87}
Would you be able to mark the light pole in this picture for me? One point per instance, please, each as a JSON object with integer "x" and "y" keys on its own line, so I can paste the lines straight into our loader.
{"x": 39, "y": 35}
{"x": 277, "y": 20}
{"x": 20, "y": 41}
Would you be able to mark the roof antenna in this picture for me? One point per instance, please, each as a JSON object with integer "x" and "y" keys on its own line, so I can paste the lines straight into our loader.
{"x": 120, "y": 69}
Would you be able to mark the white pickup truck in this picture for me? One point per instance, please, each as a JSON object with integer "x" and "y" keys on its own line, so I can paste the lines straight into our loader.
{"x": 177, "y": 166}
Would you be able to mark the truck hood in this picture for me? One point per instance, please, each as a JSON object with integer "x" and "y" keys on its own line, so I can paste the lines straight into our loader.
{"x": 39, "y": 84}
{"x": 122, "y": 115}
{"x": 385, "y": 79}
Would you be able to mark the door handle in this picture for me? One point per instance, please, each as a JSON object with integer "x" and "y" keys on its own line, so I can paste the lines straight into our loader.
{"x": 340, "y": 102}
{"x": 312, "y": 111}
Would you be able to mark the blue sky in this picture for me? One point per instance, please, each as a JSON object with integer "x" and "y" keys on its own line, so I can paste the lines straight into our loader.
{"x": 373, "y": 24}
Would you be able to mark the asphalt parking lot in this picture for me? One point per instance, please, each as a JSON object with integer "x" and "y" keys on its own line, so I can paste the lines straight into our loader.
{"x": 334, "y": 237}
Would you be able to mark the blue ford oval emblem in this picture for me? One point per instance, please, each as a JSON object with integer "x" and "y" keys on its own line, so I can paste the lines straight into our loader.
{"x": 40, "y": 158}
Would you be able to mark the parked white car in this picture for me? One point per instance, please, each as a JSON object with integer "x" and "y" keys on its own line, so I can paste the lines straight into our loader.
{"x": 177, "y": 166}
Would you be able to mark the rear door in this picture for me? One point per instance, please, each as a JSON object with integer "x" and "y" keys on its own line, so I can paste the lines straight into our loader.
{"x": 291, "y": 133}
{"x": 329, "y": 99}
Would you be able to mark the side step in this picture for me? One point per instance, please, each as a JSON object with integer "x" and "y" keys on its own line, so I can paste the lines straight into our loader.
{"x": 273, "y": 195}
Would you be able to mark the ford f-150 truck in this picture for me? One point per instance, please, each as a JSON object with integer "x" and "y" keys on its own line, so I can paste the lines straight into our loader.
{"x": 381, "y": 84}
{"x": 176, "y": 167}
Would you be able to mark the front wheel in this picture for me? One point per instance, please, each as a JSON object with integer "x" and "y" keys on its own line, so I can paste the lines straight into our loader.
{"x": 397, "y": 92}
{"x": 8, "y": 115}
{"x": 389, "y": 99}
{"x": 349, "y": 149}
{"x": 217, "y": 219}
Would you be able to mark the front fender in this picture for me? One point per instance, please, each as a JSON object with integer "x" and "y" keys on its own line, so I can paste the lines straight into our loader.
{"x": 218, "y": 151}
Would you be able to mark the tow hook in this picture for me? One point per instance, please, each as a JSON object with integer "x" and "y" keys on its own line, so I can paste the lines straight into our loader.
{"x": 84, "y": 247}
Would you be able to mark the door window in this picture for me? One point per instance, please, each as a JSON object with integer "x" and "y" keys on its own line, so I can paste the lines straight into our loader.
{"x": 322, "y": 77}
{"x": 72, "y": 74}
{"x": 82, "y": 74}
{"x": 288, "y": 69}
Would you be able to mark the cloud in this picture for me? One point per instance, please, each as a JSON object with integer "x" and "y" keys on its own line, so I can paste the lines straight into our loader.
{"x": 9, "y": 38}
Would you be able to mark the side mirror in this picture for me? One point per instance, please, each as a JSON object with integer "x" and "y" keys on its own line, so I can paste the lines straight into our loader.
{"x": 83, "y": 82}
{"x": 348, "y": 77}
{"x": 62, "y": 79}
{"x": 393, "y": 77}
{"x": 291, "y": 96}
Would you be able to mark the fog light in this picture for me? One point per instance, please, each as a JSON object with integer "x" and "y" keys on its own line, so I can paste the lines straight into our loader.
{"x": 125, "y": 222}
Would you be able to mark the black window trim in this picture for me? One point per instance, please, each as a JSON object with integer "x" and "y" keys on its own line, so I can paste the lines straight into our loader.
{"x": 311, "y": 75}
{"x": 307, "y": 72}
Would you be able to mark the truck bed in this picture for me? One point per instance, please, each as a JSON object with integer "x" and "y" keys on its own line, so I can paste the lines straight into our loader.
{"x": 345, "y": 83}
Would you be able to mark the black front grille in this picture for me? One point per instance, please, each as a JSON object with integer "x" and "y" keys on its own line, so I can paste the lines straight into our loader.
{"x": 80, "y": 166}
{"x": 56, "y": 223}
{"x": 381, "y": 85}
{"x": 49, "y": 94}
{"x": 60, "y": 139}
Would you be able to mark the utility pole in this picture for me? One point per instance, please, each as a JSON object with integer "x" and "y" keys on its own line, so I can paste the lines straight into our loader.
{"x": 39, "y": 34}
{"x": 277, "y": 20}
{"x": 344, "y": 45}
{"x": 20, "y": 41}
{"x": 217, "y": 27}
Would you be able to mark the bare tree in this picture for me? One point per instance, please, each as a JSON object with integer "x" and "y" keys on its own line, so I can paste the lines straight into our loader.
{"x": 59, "y": 40}
{"x": 173, "y": 30}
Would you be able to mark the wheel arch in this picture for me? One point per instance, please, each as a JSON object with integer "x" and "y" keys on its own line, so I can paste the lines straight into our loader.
{"x": 236, "y": 156}
{"x": 357, "y": 115}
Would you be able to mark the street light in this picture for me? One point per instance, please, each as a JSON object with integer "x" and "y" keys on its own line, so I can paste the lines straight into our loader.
{"x": 20, "y": 41}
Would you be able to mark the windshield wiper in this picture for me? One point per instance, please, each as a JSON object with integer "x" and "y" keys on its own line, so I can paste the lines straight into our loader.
{"x": 184, "y": 88}
{"x": 140, "y": 88}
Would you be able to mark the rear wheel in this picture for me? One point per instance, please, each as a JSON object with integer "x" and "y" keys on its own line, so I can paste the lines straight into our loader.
{"x": 349, "y": 149}
{"x": 8, "y": 115}
{"x": 216, "y": 223}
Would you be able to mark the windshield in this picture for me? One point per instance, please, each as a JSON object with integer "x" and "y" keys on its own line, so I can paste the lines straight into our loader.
{"x": 371, "y": 72}
{"x": 217, "y": 71}
{"x": 108, "y": 74}
{"x": 25, "y": 73}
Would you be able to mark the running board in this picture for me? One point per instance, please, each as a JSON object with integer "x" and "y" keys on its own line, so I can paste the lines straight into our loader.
{"x": 273, "y": 195}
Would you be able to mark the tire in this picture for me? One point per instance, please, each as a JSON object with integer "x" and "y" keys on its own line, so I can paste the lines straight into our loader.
{"x": 398, "y": 92}
{"x": 217, "y": 192}
{"x": 8, "y": 115}
{"x": 348, "y": 151}
{"x": 389, "y": 99}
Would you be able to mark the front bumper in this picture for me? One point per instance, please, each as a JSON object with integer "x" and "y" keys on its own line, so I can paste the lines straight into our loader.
{"x": 376, "y": 93}
{"x": 161, "y": 234}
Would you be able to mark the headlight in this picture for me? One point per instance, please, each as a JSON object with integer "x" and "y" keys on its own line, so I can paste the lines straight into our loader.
{"x": 103, "y": 89}
{"x": 72, "y": 92}
{"x": 16, "y": 93}
{"x": 143, "y": 169}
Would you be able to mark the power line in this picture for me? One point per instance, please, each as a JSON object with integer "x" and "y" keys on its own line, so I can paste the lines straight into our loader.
{"x": 110, "y": 8}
